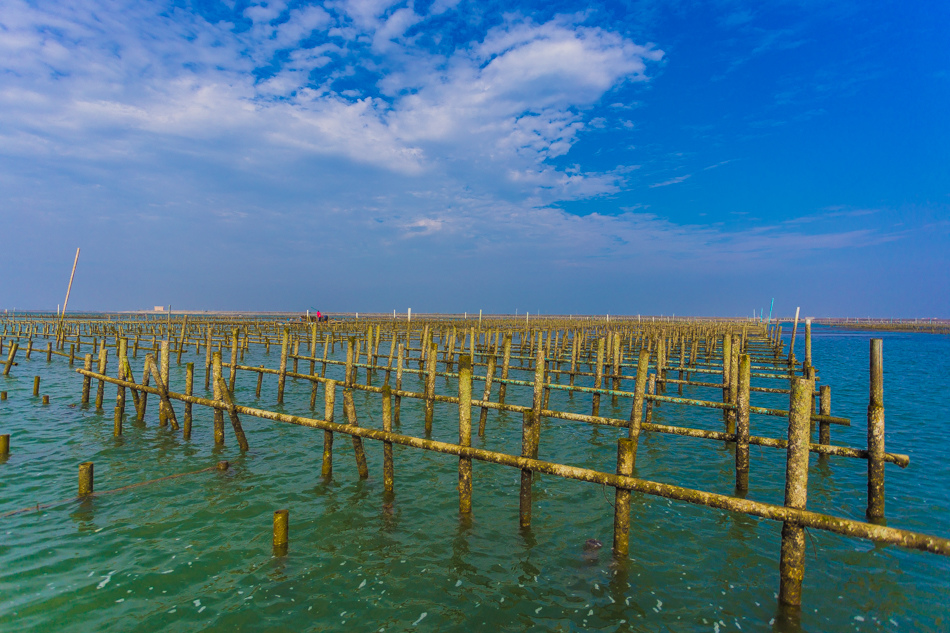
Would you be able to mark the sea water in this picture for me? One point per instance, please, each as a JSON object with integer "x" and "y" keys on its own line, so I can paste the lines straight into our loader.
{"x": 194, "y": 553}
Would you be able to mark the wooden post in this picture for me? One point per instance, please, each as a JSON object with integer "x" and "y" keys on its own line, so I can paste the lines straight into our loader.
{"x": 329, "y": 402}
{"x": 876, "y": 432}
{"x": 281, "y": 532}
{"x": 807, "y": 365}
{"x": 824, "y": 408}
{"x": 7, "y": 365}
{"x": 189, "y": 389}
{"x": 103, "y": 362}
{"x": 598, "y": 378}
{"x": 528, "y": 449}
{"x": 387, "y": 446}
{"x": 626, "y": 452}
{"x": 349, "y": 409}
{"x": 282, "y": 373}
{"x": 792, "y": 561}
{"x": 398, "y": 400}
{"x": 465, "y": 433}
{"x": 505, "y": 364}
{"x": 163, "y": 407}
{"x": 742, "y": 424}
{"x": 431, "y": 359}
{"x": 486, "y": 396}
{"x": 636, "y": 411}
{"x": 216, "y": 394}
{"x": 726, "y": 377}
{"x": 235, "y": 339}
{"x": 4, "y": 445}
{"x": 36, "y": 386}
{"x": 85, "y": 479}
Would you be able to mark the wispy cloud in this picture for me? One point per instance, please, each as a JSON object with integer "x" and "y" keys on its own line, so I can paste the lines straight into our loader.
{"x": 671, "y": 181}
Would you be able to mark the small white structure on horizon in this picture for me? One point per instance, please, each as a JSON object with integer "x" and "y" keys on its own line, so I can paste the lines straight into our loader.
{"x": 159, "y": 308}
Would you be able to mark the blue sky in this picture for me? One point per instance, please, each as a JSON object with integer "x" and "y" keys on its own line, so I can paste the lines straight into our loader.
{"x": 560, "y": 157}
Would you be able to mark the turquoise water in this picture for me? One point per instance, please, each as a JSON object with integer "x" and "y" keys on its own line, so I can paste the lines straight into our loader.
{"x": 194, "y": 553}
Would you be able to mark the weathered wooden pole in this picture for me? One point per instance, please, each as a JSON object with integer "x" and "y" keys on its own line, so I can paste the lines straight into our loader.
{"x": 163, "y": 407}
{"x": 876, "y": 432}
{"x": 400, "y": 359}
{"x": 281, "y": 532}
{"x": 388, "y": 476}
{"x": 85, "y": 479}
{"x": 807, "y": 364}
{"x": 486, "y": 396}
{"x": 598, "y": 377}
{"x": 235, "y": 339}
{"x": 216, "y": 394}
{"x": 12, "y": 355}
{"x": 431, "y": 359}
{"x": 636, "y": 411}
{"x": 791, "y": 345}
{"x": 824, "y": 408}
{"x": 626, "y": 452}
{"x": 329, "y": 402}
{"x": 792, "y": 561}
{"x": 4, "y": 445}
{"x": 282, "y": 372}
{"x": 530, "y": 450}
{"x": 726, "y": 377}
{"x": 505, "y": 365}
{"x": 36, "y": 386}
{"x": 189, "y": 390}
{"x": 349, "y": 409}
{"x": 103, "y": 362}
{"x": 742, "y": 424}
{"x": 465, "y": 433}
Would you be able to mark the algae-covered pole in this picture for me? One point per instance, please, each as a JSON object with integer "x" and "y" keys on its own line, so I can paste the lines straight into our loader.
{"x": 431, "y": 359}
{"x": 486, "y": 396}
{"x": 598, "y": 377}
{"x": 636, "y": 411}
{"x": 329, "y": 402}
{"x": 792, "y": 561}
{"x": 282, "y": 372}
{"x": 12, "y": 355}
{"x": 791, "y": 345}
{"x": 4, "y": 445}
{"x": 465, "y": 433}
{"x": 505, "y": 364}
{"x": 742, "y": 425}
{"x": 103, "y": 362}
{"x": 807, "y": 365}
{"x": 824, "y": 408}
{"x": 399, "y": 363}
{"x": 876, "y": 432}
{"x": 232, "y": 414}
{"x": 189, "y": 389}
{"x": 216, "y": 394}
{"x": 281, "y": 532}
{"x": 85, "y": 479}
{"x": 530, "y": 450}
{"x": 388, "y": 475}
{"x": 626, "y": 453}
{"x": 162, "y": 387}
{"x": 349, "y": 409}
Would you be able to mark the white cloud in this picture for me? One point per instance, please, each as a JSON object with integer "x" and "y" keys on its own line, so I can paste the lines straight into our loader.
{"x": 671, "y": 181}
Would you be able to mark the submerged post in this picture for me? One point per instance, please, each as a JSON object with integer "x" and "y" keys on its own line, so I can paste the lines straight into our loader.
{"x": 85, "y": 479}
{"x": 281, "y": 532}
{"x": 465, "y": 433}
{"x": 742, "y": 424}
{"x": 626, "y": 453}
{"x": 792, "y": 561}
{"x": 876, "y": 432}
